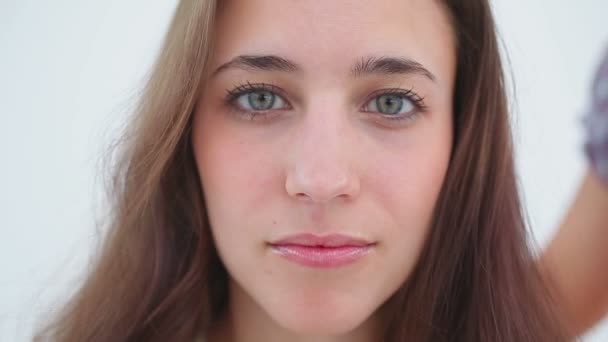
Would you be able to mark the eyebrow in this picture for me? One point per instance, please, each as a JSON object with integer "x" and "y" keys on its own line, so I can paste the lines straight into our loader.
{"x": 390, "y": 66}
{"x": 383, "y": 65}
{"x": 262, "y": 63}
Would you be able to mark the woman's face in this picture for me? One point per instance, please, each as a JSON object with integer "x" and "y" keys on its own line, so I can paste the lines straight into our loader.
{"x": 321, "y": 118}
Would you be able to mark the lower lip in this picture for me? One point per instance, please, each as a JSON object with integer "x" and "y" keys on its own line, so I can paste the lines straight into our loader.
{"x": 322, "y": 257}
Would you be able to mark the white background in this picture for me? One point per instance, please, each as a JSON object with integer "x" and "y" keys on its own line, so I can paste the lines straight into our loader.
{"x": 70, "y": 69}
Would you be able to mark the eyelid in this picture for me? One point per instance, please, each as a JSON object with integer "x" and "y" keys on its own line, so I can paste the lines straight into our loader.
{"x": 409, "y": 94}
{"x": 233, "y": 94}
{"x": 237, "y": 91}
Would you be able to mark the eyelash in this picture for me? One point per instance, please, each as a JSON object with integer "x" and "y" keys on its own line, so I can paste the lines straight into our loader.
{"x": 233, "y": 94}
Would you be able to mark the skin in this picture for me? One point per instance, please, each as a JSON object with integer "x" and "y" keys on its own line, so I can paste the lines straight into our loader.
{"x": 325, "y": 160}
{"x": 575, "y": 260}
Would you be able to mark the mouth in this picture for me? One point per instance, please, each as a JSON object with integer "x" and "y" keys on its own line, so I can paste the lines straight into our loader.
{"x": 328, "y": 251}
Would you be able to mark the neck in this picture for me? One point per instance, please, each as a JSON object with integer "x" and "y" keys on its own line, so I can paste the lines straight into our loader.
{"x": 245, "y": 321}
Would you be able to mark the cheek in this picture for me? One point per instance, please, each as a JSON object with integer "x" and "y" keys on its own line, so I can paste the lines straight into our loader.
{"x": 407, "y": 185}
{"x": 239, "y": 181}
{"x": 238, "y": 177}
{"x": 411, "y": 183}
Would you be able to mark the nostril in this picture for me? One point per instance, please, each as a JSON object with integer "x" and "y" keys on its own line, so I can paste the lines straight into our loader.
{"x": 303, "y": 196}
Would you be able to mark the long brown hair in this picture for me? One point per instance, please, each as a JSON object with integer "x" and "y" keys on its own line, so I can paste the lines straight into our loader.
{"x": 158, "y": 276}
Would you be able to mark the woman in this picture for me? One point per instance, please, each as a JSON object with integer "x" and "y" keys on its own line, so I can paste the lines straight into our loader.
{"x": 319, "y": 171}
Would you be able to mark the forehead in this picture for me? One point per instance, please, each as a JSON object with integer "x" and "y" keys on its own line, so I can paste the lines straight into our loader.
{"x": 330, "y": 35}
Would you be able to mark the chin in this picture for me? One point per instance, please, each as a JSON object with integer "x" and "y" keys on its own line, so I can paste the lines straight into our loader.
{"x": 323, "y": 319}
{"x": 319, "y": 326}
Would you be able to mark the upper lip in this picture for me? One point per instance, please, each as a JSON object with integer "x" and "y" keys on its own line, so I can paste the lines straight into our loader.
{"x": 331, "y": 240}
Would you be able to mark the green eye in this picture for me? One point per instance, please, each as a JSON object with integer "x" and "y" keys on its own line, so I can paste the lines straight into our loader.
{"x": 260, "y": 100}
{"x": 392, "y": 104}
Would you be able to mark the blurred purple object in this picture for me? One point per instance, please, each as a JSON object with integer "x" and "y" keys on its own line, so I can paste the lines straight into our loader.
{"x": 596, "y": 123}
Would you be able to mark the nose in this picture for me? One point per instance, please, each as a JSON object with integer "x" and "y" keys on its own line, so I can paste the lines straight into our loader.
{"x": 321, "y": 162}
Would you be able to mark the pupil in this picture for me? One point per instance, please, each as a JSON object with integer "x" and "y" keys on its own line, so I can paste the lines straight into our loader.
{"x": 389, "y": 104}
{"x": 261, "y": 100}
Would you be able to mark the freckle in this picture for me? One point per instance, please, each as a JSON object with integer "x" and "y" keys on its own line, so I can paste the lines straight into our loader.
{"x": 274, "y": 222}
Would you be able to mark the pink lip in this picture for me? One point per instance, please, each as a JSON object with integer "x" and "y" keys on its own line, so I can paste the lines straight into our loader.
{"x": 322, "y": 251}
